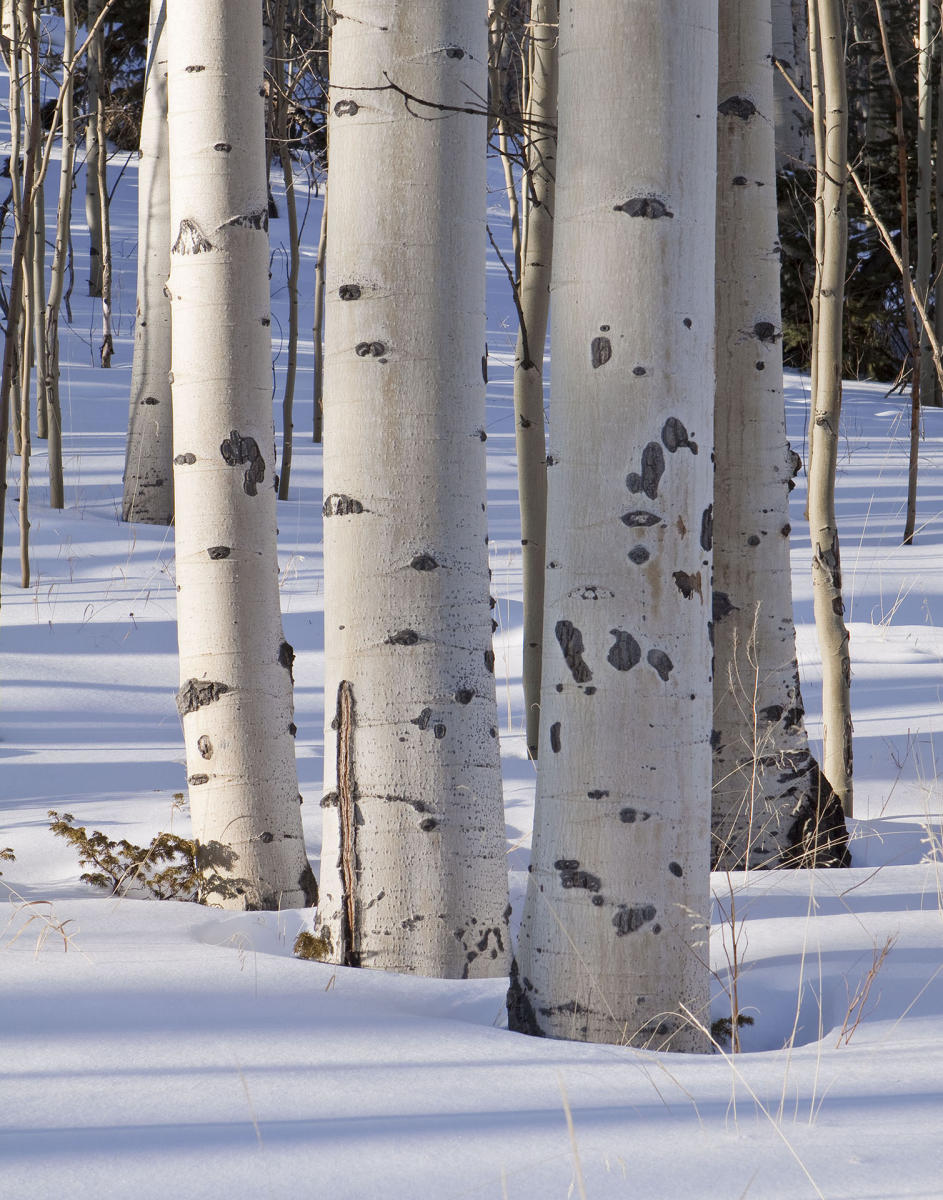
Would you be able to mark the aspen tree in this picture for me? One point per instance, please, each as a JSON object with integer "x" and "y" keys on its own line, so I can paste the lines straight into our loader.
{"x": 612, "y": 940}
{"x": 832, "y": 221}
{"x": 771, "y": 804}
{"x": 235, "y": 698}
{"x": 413, "y": 872}
{"x": 148, "y": 468}
{"x": 94, "y": 148}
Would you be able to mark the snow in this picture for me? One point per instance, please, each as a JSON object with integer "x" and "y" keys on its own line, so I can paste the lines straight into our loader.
{"x": 147, "y": 1047}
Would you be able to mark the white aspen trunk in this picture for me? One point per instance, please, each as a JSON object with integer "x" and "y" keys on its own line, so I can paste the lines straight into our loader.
{"x": 93, "y": 202}
{"x": 413, "y": 869}
{"x": 924, "y": 193}
{"x": 317, "y": 324}
{"x": 790, "y": 46}
{"x": 107, "y": 343}
{"x": 826, "y": 411}
{"x": 617, "y": 898}
{"x": 38, "y": 287}
{"x": 60, "y": 254}
{"x": 818, "y": 138}
{"x": 279, "y": 65}
{"x": 148, "y": 468}
{"x": 771, "y": 804}
{"x": 540, "y": 141}
{"x": 235, "y": 698}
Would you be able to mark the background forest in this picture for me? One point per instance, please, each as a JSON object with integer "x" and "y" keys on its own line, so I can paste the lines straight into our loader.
{"x": 349, "y": 618}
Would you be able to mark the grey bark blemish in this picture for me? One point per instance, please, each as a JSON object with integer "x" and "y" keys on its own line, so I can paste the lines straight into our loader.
{"x": 150, "y": 399}
{"x": 205, "y": 746}
{"x": 484, "y": 366}
{"x": 196, "y": 693}
{"x": 423, "y": 562}
{"x": 629, "y": 816}
{"x": 197, "y": 780}
{"x": 765, "y": 332}
{"x": 482, "y": 436}
{"x": 739, "y": 181}
{"x": 438, "y": 731}
{"x": 185, "y": 460}
{"x": 597, "y": 794}
{"x": 292, "y": 728}
{"x": 266, "y": 838}
{"x": 422, "y": 721}
{"x": 223, "y": 147}
{"x": 753, "y": 539}
{"x": 630, "y": 918}
{"x": 465, "y": 695}
{"x": 346, "y": 794}
{"x": 625, "y": 651}
{"x": 428, "y": 824}
{"x": 572, "y": 877}
{"x": 571, "y": 643}
{"x": 489, "y": 661}
{"x": 237, "y": 451}
{"x": 721, "y": 606}
{"x": 644, "y": 206}
{"x": 687, "y": 583}
{"x": 194, "y": 68}
{"x": 737, "y": 106}
{"x": 555, "y": 742}
{"x": 258, "y": 219}
{"x": 218, "y": 552}
{"x": 286, "y": 658}
{"x": 639, "y": 370}
{"x": 707, "y": 528}
{"x": 339, "y": 505}
{"x": 661, "y": 663}
{"x": 675, "y": 869}
{"x": 639, "y": 555}
{"x": 403, "y": 637}
{"x": 370, "y": 349}
{"x": 639, "y": 518}
{"x": 191, "y": 239}
{"x": 349, "y": 291}
{"x": 600, "y": 351}
{"x": 454, "y": 52}
{"x": 522, "y": 1017}
{"x": 687, "y": 322}
{"x": 675, "y": 436}
{"x": 653, "y": 467}
{"x": 346, "y": 108}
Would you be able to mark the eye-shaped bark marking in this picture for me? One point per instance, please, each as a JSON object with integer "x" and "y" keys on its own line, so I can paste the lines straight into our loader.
{"x": 346, "y": 108}
{"x": 737, "y": 106}
{"x": 644, "y": 206}
{"x": 252, "y": 220}
{"x": 675, "y": 436}
{"x": 571, "y": 643}
{"x": 349, "y": 291}
{"x": 707, "y": 527}
{"x": 639, "y": 555}
{"x": 628, "y": 816}
{"x": 639, "y": 518}
{"x": 422, "y": 721}
{"x": 205, "y": 746}
{"x": 237, "y": 450}
{"x": 660, "y": 661}
{"x": 185, "y": 460}
{"x": 555, "y": 742}
{"x": 191, "y": 239}
{"x": 653, "y": 467}
{"x": 223, "y": 147}
{"x": 454, "y": 52}
{"x": 370, "y": 349}
{"x": 423, "y": 562}
{"x": 403, "y": 637}
{"x": 625, "y": 652}
{"x": 765, "y": 332}
{"x": 339, "y": 505}
{"x": 600, "y": 351}
{"x": 196, "y": 693}
{"x": 218, "y": 552}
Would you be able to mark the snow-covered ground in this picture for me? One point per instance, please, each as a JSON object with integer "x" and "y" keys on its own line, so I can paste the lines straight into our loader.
{"x": 152, "y": 1048}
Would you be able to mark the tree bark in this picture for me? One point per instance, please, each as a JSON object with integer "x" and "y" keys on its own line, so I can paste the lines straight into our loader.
{"x": 93, "y": 148}
{"x": 540, "y": 147}
{"x": 235, "y": 697}
{"x": 771, "y": 804}
{"x": 923, "y": 200}
{"x": 791, "y": 48}
{"x": 617, "y": 897}
{"x": 413, "y": 869}
{"x": 832, "y": 172}
{"x": 148, "y": 467}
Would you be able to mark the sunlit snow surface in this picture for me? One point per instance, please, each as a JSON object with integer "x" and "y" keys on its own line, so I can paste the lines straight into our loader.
{"x": 177, "y": 1050}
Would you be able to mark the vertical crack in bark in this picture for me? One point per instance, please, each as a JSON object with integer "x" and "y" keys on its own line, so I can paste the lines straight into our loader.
{"x": 346, "y": 793}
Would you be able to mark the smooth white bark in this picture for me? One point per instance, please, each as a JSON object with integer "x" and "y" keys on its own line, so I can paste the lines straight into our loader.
{"x": 93, "y": 148}
{"x": 771, "y": 804}
{"x": 611, "y": 945}
{"x": 235, "y": 698}
{"x": 148, "y": 468}
{"x": 412, "y": 870}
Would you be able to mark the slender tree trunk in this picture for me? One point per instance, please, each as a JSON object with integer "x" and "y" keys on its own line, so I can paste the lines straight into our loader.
{"x": 93, "y": 148}
{"x": 38, "y": 287}
{"x": 317, "y": 329}
{"x": 235, "y": 698}
{"x": 294, "y": 255}
{"x": 413, "y": 870}
{"x": 771, "y": 804}
{"x": 540, "y": 144}
{"x": 617, "y": 897}
{"x": 938, "y": 211}
{"x": 923, "y": 200}
{"x": 148, "y": 468}
{"x": 107, "y": 345}
{"x": 60, "y": 255}
{"x": 818, "y": 138}
{"x": 826, "y": 412}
